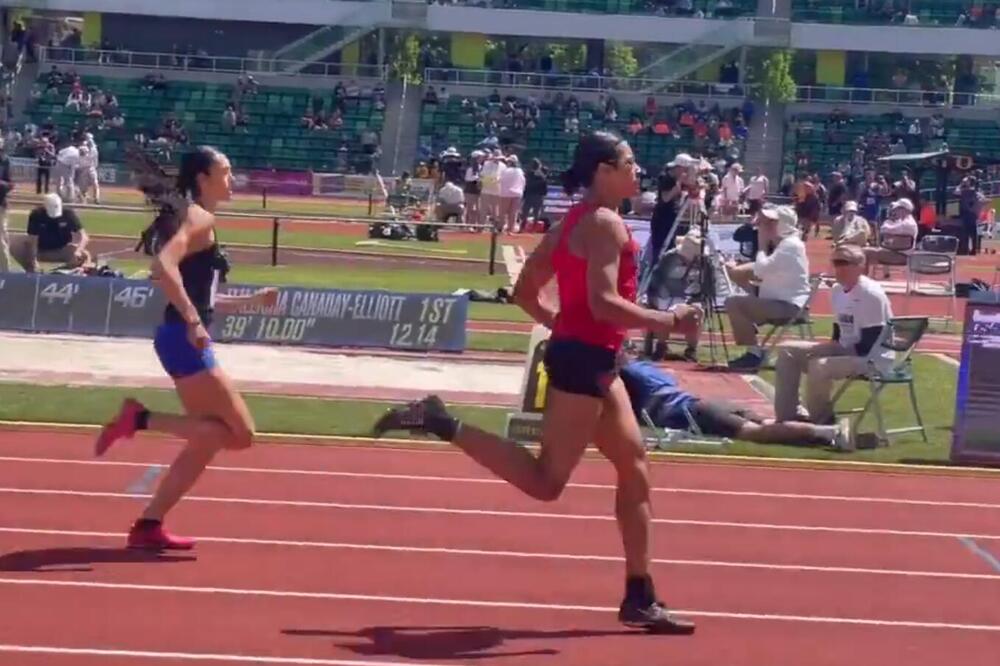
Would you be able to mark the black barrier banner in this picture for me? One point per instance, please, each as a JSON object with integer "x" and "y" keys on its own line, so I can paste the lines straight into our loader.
{"x": 314, "y": 317}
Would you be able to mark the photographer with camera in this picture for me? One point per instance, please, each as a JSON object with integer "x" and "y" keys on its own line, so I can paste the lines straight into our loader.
{"x": 676, "y": 176}
{"x": 780, "y": 275}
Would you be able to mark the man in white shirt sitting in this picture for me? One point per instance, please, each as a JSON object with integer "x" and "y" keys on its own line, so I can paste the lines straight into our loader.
{"x": 861, "y": 310}
{"x": 899, "y": 223}
{"x": 781, "y": 275}
{"x": 850, "y": 228}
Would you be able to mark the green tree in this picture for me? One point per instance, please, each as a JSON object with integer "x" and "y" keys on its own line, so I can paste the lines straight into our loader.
{"x": 569, "y": 57}
{"x": 770, "y": 72}
{"x": 404, "y": 59}
{"x": 621, "y": 60}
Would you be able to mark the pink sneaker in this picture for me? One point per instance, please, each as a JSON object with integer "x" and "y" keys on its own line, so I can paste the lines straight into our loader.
{"x": 122, "y": 427}
{"x": 154, "y": 537}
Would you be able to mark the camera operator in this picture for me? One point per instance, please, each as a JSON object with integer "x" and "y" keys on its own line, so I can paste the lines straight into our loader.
{"x": 674, "y": 179}
{"x": 780, "y": 274}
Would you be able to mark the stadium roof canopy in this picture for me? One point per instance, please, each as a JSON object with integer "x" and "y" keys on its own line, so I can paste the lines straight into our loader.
{"x": 913, "y": 157}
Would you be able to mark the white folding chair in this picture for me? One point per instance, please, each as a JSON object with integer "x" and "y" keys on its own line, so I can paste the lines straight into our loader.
{"x": 801, "y": 319}
{"x": 935, "y": 265}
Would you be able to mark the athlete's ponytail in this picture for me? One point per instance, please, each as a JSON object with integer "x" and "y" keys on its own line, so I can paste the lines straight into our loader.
{"x": 591, "y": 151}
{"x": 168, "y": 194}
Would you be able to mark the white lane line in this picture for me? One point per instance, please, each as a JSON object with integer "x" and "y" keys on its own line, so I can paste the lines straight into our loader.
{"x": 477, "y": 552}
{"x": 477, "y": 603}
{"x": 507, "y": 514}
{"x": 197, "y": 656}
{"x": 490, "y": 481}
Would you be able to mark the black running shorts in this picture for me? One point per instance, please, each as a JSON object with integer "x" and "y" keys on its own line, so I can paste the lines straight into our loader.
{"x": 579, "y": 368}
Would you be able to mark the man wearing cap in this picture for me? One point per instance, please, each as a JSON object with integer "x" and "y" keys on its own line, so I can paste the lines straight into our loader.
{"x": 669, "y": 188}
{"x": 54, "y": 234}
{"x": 861, "y": 310}
{"x": 899, "y": 223}
{"x": 781, "y": 275}
{"x": 850, "y": 228}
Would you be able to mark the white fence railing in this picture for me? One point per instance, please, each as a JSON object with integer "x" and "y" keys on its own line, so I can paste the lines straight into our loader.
{"x": 579, "y": 82}
{"x": 195, "y": 63}
{"x": 921, "y": 98}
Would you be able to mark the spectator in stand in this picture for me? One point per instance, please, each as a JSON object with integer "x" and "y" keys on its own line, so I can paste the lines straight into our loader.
{"x": 75, "y": 100}
{"x": 899, "y": 223}
{"x": 54, "y": 234}
{"x": 430, "y": 96}
{"x": 756, "y": 192}
{"x": 850, "y": 228}
{"x": 512, "y": 183}
{"x": 535, "y": 188}
{"x": 780, "y": 274}
{"x": 229, "y": 118}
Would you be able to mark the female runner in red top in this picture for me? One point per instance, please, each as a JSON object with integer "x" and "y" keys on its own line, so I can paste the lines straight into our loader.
{"x": 593, "y": 258}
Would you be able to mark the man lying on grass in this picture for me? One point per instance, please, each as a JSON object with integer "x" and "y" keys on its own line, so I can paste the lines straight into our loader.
{"x": 655, "y": 390}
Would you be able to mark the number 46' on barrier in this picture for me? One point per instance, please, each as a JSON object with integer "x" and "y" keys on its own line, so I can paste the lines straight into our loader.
{"x": 133, "y": 297}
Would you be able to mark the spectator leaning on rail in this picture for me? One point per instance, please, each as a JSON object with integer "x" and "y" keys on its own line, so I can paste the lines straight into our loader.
{"x": 861, "y": 310}
{"x": 781, "y": 275}
{"x": 54, "y": 234}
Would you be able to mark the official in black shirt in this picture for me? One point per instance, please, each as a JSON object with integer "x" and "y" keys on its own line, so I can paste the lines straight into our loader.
{"x": 54, "y": 235}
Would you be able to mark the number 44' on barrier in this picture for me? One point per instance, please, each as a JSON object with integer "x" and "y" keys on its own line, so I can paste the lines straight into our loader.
{"x": 53, "y": 292}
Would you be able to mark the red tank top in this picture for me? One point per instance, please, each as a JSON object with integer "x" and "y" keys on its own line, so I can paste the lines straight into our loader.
{"x": 575, "y": 321}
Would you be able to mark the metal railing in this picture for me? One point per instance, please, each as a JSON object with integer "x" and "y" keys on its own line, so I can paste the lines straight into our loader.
{"x": 580, "y": 83}
{"x": 709, "y": 10}
{"x": 194, "y": 63}
{"x": 922, "y": 98}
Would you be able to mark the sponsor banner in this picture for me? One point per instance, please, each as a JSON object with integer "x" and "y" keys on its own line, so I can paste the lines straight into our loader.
{"x": 294, "y": 183}
{"x": 313, "y": 317}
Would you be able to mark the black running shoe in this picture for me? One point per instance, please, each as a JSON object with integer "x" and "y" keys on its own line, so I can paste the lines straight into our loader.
{"x": 414, "y": 416}
{"x": 654, "y": 618}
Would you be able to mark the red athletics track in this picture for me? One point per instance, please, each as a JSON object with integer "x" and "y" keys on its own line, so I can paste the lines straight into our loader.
{"x": 357, "y": 555}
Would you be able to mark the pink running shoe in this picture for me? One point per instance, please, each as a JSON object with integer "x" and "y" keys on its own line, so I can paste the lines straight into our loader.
{"x": 153, "y": 537}
{"x": 122, "y": 427}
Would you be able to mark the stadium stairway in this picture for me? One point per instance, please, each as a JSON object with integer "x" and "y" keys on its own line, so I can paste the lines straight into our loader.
{"x": 765, "y": 145}
{"x": 401, "y": 129}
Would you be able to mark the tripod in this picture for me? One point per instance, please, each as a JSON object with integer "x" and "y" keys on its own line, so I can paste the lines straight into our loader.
{"x": 709, "y": 270}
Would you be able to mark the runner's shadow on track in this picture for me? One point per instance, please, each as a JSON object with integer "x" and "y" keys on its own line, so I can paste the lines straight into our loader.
{"x": 449, "y": 642}
{"x": 77, "y": 559}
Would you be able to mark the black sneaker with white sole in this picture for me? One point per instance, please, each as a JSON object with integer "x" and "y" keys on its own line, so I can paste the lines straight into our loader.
{"x": 429, "y": 415}
{"x": 654, "y": 618}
